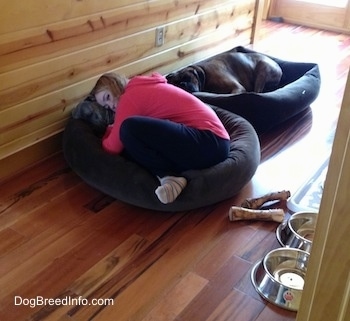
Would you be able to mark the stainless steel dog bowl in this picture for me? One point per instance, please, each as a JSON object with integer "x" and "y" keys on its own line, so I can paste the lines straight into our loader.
{"x": 279, "y": 277}
{"x": 298, "y": 231}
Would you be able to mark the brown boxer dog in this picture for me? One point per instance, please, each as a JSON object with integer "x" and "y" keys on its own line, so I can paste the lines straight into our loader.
{"x": 229, "y": 73}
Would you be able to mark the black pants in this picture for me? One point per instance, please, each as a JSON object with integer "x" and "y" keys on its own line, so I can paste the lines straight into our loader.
{"x": 168, "y": 148}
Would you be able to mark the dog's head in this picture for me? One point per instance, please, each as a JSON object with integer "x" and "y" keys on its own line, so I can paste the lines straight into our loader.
{"x": 90, "y": 111}
{"x": 191, "y": 78}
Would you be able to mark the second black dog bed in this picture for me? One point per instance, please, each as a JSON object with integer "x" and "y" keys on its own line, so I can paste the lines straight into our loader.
{"x": 298, "y": 88}
{"x": 125, "y": 180}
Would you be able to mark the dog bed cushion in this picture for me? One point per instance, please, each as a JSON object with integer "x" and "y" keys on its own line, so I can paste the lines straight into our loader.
{"x": 298, "y": 88}
{"x": 126, "y": 181}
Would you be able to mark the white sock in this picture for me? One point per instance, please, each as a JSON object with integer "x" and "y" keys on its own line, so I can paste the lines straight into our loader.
{"x": 170, "y": 188}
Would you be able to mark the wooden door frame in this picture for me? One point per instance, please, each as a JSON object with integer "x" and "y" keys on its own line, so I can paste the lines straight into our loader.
{"x": 326, "y": 293}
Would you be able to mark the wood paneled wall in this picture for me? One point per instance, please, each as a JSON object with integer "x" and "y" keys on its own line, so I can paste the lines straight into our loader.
{"x": 52, "y": 52}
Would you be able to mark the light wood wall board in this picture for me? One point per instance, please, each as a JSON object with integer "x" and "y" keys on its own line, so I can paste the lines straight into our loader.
{"x": 49, "y": 63}
{"x": 84, "y": 31}
{"x": 41, "y": 12}
{"x": 25, "y": 158}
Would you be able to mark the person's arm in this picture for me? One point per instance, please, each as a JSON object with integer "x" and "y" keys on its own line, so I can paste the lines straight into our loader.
{"x": 111, "y": 140}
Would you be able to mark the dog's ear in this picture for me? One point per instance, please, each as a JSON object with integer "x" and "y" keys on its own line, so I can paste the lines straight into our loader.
{"x": 90, "y": 97}
{"x": 83, "y": 110}
{"x": 169, "y": 76}
{"x": 200, "y": 74}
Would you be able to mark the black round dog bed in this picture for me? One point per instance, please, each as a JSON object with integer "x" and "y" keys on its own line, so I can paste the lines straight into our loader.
{"x": 125, "y": 180}
{"x": 298, "y": 88}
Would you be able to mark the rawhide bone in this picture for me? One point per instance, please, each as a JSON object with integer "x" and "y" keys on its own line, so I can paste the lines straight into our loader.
{"x": 237, "y": 213}
{"x": 255, "y": 203}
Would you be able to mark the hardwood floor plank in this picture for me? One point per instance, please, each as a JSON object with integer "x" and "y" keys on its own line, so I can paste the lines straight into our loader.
{"x": 9, "y": 240}
{"x": 236, "y": 306}
{"x": 48, "y": 246}
{"x": 102, "y": 271}
{"x": 98, "y": 274}
{"x": 63, "y": 210}
{"x": 25, "y": 200}
{"x": 229, "y": 245}
{"x": 259, "y": 245}
{"x": 219, "y": 287}
{"x": 62, "y": 261}
{"x": 166, "y": 259}
{"x": 47, "y": 225}
{"x": 32, "y": 175}
{"x": 177, "y": 299}
{"x": 245, "y": 285}
{"x": 284, "y": 135}
{"x": 271, "y": 312}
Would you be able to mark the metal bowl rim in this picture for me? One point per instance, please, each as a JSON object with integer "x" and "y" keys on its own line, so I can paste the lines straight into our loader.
{"x": 295, "y": 233}
{"x": 278, "y": 232}
{"x": 288, "y": 249}
{"x": 286, "y": 224}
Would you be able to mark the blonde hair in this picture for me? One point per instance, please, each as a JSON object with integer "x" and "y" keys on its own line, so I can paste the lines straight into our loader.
{"x": 110, "y": 81}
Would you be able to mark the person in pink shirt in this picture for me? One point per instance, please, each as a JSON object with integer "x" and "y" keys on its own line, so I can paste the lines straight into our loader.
{"x": 161, "y": 127}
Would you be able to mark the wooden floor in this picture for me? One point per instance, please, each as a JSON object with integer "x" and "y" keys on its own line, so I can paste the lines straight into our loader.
{"x": 61, "y": 239}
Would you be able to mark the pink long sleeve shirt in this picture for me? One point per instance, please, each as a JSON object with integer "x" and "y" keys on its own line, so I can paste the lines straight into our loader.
{"x": 152, "y": 96}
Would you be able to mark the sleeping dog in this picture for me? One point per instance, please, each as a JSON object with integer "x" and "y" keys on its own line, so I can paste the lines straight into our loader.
{"x": 229, "y": 73}
{"x": 90, "y": 111}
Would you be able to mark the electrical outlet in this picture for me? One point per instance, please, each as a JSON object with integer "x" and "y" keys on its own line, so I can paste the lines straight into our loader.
{"x": 160, "y": 35}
